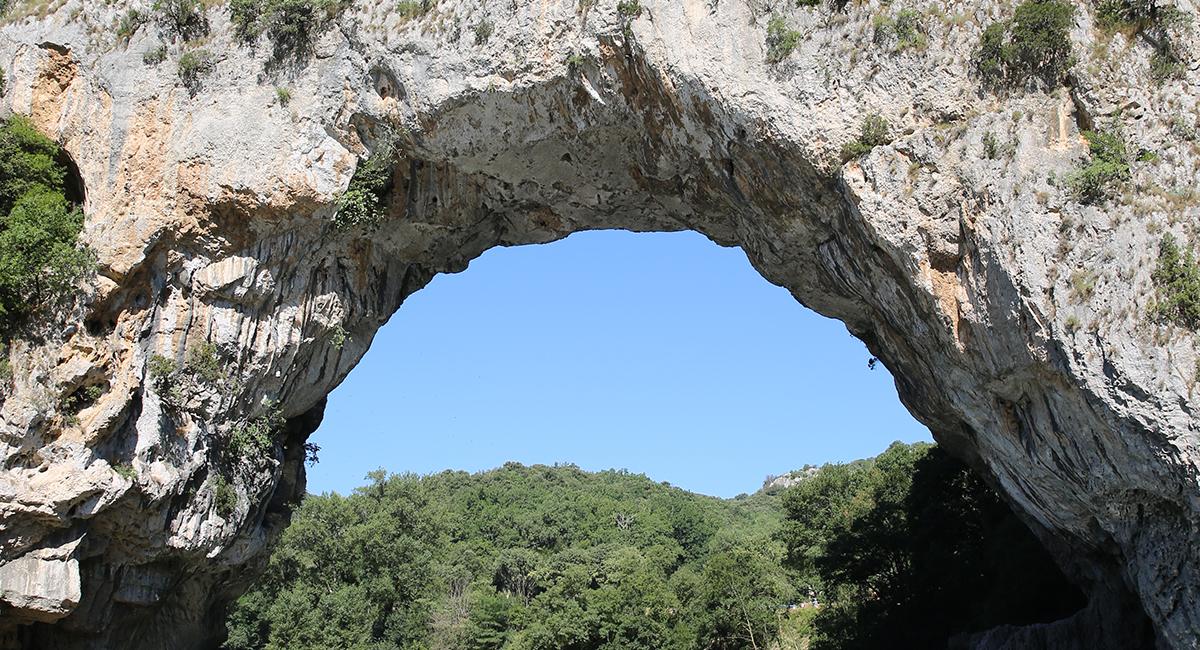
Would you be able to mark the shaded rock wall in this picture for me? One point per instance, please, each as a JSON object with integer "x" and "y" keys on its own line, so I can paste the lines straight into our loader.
{"x": 1013, "y": 317}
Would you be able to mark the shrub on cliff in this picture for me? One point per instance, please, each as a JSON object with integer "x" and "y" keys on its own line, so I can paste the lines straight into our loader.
{"x": 362, "y": 204}
{"x": 873, "y": 132}
{"x": 130, "y": 22}
{"x": 193, "y": 67}
{"x": 1177, "y": 286}
{"x": 410, "y": 9}
{"x": 40, "y": 258}
{"x": 225, "y": 497}
{"x": 1034, "y": 46}
{"x": 781, "y": 39}
{"x": 1108, "y": 166}
{"x": 290, "y": 25}
{"x": 253, "y": 440}
{"x": 1158, "y": 23}
{"x": 183, "y": 18}
{"x": 905, "y": 31}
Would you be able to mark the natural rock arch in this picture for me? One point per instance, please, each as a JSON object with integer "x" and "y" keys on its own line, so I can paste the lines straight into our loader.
{"x": 212, "y": 219}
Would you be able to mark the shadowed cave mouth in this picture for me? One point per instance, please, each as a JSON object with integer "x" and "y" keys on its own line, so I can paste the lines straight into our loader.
{"x": 667, "y": 356}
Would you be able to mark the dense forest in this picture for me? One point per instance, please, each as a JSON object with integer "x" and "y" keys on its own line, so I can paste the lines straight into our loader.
{"x": 904, "y": 550}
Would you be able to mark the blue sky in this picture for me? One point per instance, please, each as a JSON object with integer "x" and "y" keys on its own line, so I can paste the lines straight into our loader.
{"x": 663, "y": 354}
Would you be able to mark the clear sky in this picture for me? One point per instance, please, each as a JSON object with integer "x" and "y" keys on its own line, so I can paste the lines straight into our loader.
{"x": 663, "y": 354}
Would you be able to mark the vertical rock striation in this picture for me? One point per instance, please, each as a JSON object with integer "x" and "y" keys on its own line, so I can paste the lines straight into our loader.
{"x": 229, "y": 299}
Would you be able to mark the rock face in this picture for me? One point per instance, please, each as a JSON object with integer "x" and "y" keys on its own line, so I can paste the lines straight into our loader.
{"x": 1013, "y": 316}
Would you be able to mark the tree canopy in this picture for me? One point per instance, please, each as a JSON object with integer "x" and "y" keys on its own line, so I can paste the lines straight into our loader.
{"x": 911, "y": 548}
{"x": 39, "y": 257}
{"x": 521, "y": 558}
{"x": 903, "y": 550}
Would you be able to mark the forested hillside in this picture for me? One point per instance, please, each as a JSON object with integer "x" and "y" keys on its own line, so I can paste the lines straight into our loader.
{"x": 908, "y": 546}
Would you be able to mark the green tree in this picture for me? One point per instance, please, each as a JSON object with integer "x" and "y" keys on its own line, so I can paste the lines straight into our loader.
{"x": 742, "y": 596}
{"x": 349, "y": 572}
{"x": 915, "y": 549}
{"x": 40, "y": 259}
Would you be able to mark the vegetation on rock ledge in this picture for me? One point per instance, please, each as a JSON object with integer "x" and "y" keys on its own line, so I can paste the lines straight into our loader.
{"x": 1034, "y": 45}
{"x": 781, "y": 39}
{"x": 873, "y": 132}
{"x": 290, "y": 25}
{"x": 1177, "y": 283}
{"x": 40, "y": 256}
{"x": 1107, "y": 167}
{"x": 362, "y": 204}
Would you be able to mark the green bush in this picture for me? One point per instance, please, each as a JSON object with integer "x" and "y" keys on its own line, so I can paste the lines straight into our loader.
{"x": 910, "y": 32}
{"x": 483, "y": 31}
{"x": 629, "y": 8}
{"x": 183, "y": 18}
{"x": 130, "y": 22}
{"x": 225, "y": 498}
{"x": 338, "y": 337}
{"x": 413, "y": 8}
{"x": 905, "y": 30}
{"x": 873, "y": 132}
{"x": 362, "y": 205}
{"x": 125, "y": 471}
{"x": 193, "y": 67}
{"x": 781, "y": 39}
{"x": 1107, "y": 167}
{"x": 161, "y": 369}
{"x": 1136, "y": 17}
{"x": 1177, "y": 286}
{"x": 244, "y": 15}
{"x": 1183, "y": 128}
{"x": 203, "y": 363}
{"x": 155, "y": 56}
{"x": 991, "y": 146}
{"x": 255, "y": 438}
{"x": 283, "y": 95}
{"x": 1164, "y": 64}
{"x": 290, "y": 25}
{"x": 1033, "y": 46}
{"x": 40, "y": 257}
{"x": 76, "y": 401}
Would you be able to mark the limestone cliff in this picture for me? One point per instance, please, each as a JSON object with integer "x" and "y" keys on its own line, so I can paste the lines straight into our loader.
{"x": 230, "y": 300}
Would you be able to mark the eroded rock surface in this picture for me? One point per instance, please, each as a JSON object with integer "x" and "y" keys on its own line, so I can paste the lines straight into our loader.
{"x": 1014, "y": 317}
